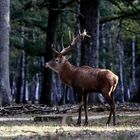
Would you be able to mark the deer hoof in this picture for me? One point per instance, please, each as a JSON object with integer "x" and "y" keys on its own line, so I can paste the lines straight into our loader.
{"x": 86, "y": 124}
{"x": 107, "y": 124}
{"x": 78, "y": 123}
{"x": 114, "y": 123}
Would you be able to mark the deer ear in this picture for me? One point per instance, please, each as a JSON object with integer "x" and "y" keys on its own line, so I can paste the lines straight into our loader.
{"x": 68, "y": 57}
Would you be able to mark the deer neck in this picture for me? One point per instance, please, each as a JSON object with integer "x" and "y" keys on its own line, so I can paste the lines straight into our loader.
{"x": 67, "y": 72}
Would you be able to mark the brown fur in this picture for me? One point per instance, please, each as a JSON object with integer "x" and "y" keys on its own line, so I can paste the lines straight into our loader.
{"x": 86, "y": 79}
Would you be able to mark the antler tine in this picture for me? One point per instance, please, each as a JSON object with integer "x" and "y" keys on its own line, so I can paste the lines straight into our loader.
{"x": 80, "y": 37}
{"x": 62, "y": 43}
{"x": 75, "y": 40}
{"x": 69, "y": 35}
{"x": 79, "y": 32}
{"x": 53, "y": 48}
{"x": 85, "y": 33}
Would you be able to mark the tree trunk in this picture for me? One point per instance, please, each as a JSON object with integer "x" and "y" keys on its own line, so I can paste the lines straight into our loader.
{"x": 32, "y": 90}
{"x": 13, "y": 84}
{"x": 37, "y": 88}
{"x": 133, "y": 63}
{"x": 133, "y": 85}
{"x": 121, "y": 66}
{"x": 110, "y": 51}
{"x": 24, "y": 77}
{"x": 89, "y": 20}
{"x": 77, "y": 29}
{"x": 56, "y": 90}
{"x": 21, "y": 80}
{"x": 5, "y": 96}
{"x": 45, "y": 97}
{"x": 103, "y": 38}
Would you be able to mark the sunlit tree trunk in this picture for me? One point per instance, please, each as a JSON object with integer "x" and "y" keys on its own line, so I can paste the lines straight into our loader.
{"x": 56, "y": 90}
{"x": 33, "y": 90}
{"x": 13, "y": 84}
{"x": 37, "y": 88}
{"x": 5, "y": 95}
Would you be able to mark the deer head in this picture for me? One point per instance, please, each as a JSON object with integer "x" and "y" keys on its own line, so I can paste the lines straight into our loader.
{"x": 62, "y": 56}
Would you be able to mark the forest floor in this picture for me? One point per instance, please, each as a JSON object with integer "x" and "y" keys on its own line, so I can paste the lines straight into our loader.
{"x": 18, "y": 122}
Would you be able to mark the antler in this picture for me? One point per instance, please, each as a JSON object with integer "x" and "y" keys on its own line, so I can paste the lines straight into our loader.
{"x": 77, "y": 39}
{"x": 53, "y": 48}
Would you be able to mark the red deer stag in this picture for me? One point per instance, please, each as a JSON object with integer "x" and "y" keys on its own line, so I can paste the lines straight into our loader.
{"x": 85, "y": 79}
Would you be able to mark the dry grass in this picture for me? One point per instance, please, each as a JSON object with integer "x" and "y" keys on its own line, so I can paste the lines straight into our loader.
{"x": 43, "y": 130}
{"x": 14, "y": 131}
{"x": 128, "y": 128}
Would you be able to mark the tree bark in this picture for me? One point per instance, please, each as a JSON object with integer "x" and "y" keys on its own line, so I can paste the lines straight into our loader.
{"x": 133, "y": 62}
{"x": 77, "y": 29}
{"x": 103, "y": 38}
{"x": 45, "y": 97}
{"x": 37, "y": 88}
{"x": 110, "y": 51}
{"x": 21, "y": 80}
{"x": 5, "y": 96}
{"x": 121, "y": 67}
{"x": 89, "y": 20}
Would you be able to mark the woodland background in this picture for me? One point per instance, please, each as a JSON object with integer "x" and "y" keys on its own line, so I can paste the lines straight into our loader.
{"x": 25, "y": 46}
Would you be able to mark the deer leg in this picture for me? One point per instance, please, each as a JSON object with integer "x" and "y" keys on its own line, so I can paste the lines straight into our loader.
{"x": 112, "y": 109}
{"x": 85, "y": 108}
{"x": 114, "y": 116}
{"x": 79, "y": 110}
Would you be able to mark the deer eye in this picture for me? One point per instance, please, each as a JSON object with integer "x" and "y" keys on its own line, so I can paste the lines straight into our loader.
{"x": 56, "y": 60}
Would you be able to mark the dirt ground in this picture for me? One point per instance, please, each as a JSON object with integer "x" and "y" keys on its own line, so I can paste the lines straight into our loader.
{"x": 22, "y": 126}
